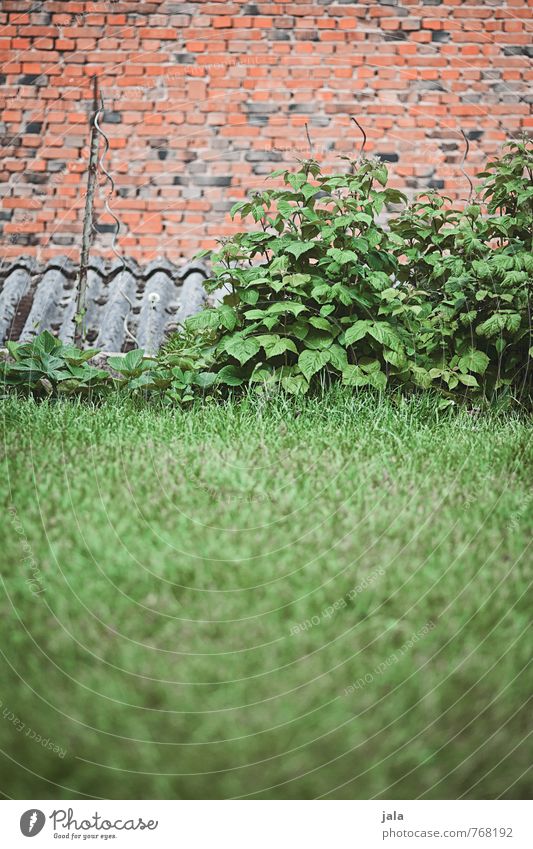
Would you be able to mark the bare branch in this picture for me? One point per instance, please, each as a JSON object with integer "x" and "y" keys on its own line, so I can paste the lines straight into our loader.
{"x": 462, "y": 165}
{"x": 359, "y": 127}
{"x": 87, "y": 220}
{"x": 309, "y": 138}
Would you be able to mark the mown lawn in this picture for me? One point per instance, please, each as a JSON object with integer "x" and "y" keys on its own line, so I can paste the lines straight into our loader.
{"x": 265, "y": 600}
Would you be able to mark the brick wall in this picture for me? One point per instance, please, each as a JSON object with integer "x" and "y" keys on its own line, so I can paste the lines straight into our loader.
{"x": 204, "y": 98}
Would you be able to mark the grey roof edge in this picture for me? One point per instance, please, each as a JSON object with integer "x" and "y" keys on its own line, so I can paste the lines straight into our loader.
{"x": 108, "y": 268}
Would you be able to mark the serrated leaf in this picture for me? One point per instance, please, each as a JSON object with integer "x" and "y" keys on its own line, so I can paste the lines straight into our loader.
{"x": 297, "y": 180}
{"x": 276, "y": 345}
{"x": 338, "y": 357}
{"x": 342, "y": 257}
{"x": 356, "y": 332}
{"x": 295, "y": 384}
{"x": 474, "y": 360}
{"x": 207, "y": 319}
{"x": 228, "y": 316}
{"x": 353, "y": 376}
{"x": 497, "y": 322}
{"x": 204, "y": 379}
{"x": 467, "y": 379}
{"x": 229, "y": 376}
{"x": 383, "y": 332}
{"x": 286, "y": 306}
{"x": 297, "y": 249}
{"x": 243, "y": 348}
{"x": 310, "y": 362}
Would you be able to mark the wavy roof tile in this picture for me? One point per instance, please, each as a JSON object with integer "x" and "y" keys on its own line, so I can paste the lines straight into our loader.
{"x": 120, "y": 312}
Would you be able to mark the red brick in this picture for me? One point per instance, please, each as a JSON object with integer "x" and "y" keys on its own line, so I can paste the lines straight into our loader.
{"x": 158, "y": 33}
{"x": 193, "y": 109}
{"x": 222, "y": 21}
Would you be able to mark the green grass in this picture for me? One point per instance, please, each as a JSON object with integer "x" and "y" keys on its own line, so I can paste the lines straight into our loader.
{"x": 176, "y": 556}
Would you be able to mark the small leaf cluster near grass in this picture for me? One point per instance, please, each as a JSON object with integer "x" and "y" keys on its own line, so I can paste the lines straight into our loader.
{"x": 278, "y": 598}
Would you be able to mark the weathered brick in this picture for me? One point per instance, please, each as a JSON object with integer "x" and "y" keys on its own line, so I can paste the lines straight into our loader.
{"x": 194, "y": 89}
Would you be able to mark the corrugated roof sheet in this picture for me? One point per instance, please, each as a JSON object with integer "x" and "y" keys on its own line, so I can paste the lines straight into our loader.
{"x": 120, "y": 312}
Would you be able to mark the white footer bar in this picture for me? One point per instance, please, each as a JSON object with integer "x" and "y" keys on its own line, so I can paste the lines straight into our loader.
{"x": 267, "y": 824}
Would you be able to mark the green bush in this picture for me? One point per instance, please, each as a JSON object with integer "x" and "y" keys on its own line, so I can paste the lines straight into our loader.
{"x": 310, "y": 297}
{"x": 324, "y": 292}
{"x": 477, "y": 270}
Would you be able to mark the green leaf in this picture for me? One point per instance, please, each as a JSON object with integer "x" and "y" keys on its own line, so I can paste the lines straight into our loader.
{"x": 497, "y": 322}
{"x": 46, "y": 342}
{"x": 241, "y": 347}
{"x": 381, "y": 174}
{"x": 204, "y": 379}
{"x": 228, "y": 316}
{"x": 318, "y": 339}
{"x": 320, "y": 323}
{"x": 474, "y": 360}
{"x": 208, "y": 319}
{"x": 381, "y": 281}
{"x": 297, "y": 249}
{"x": 286, "y": 306}
{"x": 482, "y": 269}
{"x": 133, "y": 359}
{"x": 377, "y": 379}
{"x": 276, "y": 345}
{"x": 395, "y": 358}
{"x": 308, "y": 190}
{"x": 353, "y": 376}
{"x": 338, "y": 357}
{"x": 116, "y": 363}
{"x": 14, "y": 349}
{"x": 421, "y": 377}
{"x": 468, "y": 379}
{"x": 295, "y": 384}
{"x": 144, "y": 379}
{"x": 229, "y": 376}
{"x": 311, "y": 362}
{"x": 356, "y": 332}
{"x": 343, "y": 257}
{"x": 296, "y": 279}
{"x": 297, "y": 180}
{"x": 248, "y": 296}
{"x": 383, "y": 332}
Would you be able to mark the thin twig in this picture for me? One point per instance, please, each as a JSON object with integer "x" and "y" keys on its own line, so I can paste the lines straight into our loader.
{"x": 462, "y": 165}
{"x": 358, "y": 125}
{"x": 110, "y": 212}
{"x": 79, "y": 332}
{"x": 308, "y": 138}
{"x": 111, "y": 182}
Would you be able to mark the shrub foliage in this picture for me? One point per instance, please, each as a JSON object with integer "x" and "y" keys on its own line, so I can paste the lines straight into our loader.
{"x": 324, "y": 292}
{"x": 321, "y": 291}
